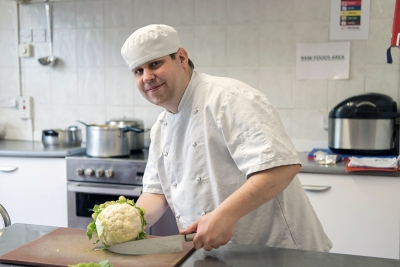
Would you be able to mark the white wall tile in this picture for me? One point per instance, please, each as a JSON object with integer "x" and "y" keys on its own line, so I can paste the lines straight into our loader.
{"x": 148, "y": 114}
{"x": 276, "y": 11}
{"x": 211, "y": 70}
{"x": 37, "y": 84}
{"x": 178, "y": 12}
{"x": 311, "y": 32}
{"x": 38, "y": 51}
{"x": 311, "y": 10}
{"x": 8, "y": 48}
{"x": 63, "y": 14}
{"x": 382, "y": 9}
{"x": 276, "y": 45}
{"x": 147, "y": 12}
{"x": 119, "y": 86}
{"x": 209, "y": 12}
{"x": 382, "y": 79}
{"x": 118, "y": 13}
{"x": 245, "y": 74}
{"x": 186, "y": 36}
{"x": 32, "y": 16}
{"x": 9, "y": 84}
{"x": 379, "y": 40}
{"x": 63, "y": 119}
{"x": 42, "y": 118}
{"x": 276, "y": 83}
{"x": 89, "y": 14}
{"x": 64, "y": 86}
{"x": 8, "y": 18}
{"x": 358, "y": 52}
{"x": 113, "y": 41}
{"x": 339, "y": 90}
{"x": 240, "y": 11}
{"x": 114, "y": 112}
{"x": 91, "y": 48}
{"x": 242, "y": 45}
{"x": 91, "y": 89}
{"x": 209, "y": 45}
{"x": 310, "y": 94}
{"x": 64, "y": 47}
{"x": 308, "y": 124}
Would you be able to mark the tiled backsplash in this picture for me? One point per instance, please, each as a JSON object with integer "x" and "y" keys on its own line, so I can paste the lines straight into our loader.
{"x": 253, "y": 41}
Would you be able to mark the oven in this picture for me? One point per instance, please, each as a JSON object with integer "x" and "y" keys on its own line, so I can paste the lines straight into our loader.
{"x": 92, "y": 181}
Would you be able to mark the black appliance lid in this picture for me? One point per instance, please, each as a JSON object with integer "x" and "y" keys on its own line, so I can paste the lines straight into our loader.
{"x": 366, "y": 106}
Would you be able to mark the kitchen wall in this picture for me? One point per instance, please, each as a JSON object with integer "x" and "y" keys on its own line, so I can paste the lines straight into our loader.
{"x": 254, "y": 41}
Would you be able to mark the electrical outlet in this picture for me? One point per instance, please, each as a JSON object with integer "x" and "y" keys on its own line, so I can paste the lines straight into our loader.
{"x": 39, "y": 35}
{"x": 8, "y": 102}
{"x": 25, "y": 36}
{"x": 24, "y": 50}
{"x": 24, "y": 107}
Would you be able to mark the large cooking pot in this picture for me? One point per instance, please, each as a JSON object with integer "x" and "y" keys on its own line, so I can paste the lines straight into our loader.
{"x": 364, "y": 125}
{"x": 108, "y": 140}
{"x": 69, "y": 137}
{"x": 135, "y": 139}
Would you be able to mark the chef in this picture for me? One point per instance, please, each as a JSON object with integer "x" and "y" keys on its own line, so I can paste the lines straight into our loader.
{"x": 219, "y": 156}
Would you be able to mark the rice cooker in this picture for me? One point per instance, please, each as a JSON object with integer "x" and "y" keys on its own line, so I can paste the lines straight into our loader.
{"x": 364, "y": 125}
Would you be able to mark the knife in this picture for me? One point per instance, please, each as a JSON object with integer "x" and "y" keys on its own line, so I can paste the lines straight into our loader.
{"x": 157, "y": 245}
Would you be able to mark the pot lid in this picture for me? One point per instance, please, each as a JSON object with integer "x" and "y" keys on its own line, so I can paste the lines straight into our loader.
{"x": 126, "y": 122}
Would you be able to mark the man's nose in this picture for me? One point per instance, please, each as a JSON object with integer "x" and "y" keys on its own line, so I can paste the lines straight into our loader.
{"x": 148, "y": 76}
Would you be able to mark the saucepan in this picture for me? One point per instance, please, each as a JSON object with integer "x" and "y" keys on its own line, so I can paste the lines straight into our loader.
{"x": 135, "y": 139}
{"x": 108, "y": 140}
{"x": 69, "y": 137}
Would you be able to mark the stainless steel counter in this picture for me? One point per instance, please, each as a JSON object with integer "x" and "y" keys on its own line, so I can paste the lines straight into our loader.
{"x": 229, "y": 255}
{"x": 36, "y": 149}
{"x": 310, "y": 166}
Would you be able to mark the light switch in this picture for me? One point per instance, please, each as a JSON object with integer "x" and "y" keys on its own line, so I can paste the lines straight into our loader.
{"x": 25, "y": 36}
{"x": 39, "y": 35}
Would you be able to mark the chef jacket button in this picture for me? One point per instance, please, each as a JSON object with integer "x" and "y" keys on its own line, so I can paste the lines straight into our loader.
{"x": 165, "y": 124}
{"x": 177, "y": 216}
{"x": 194, "y": 144}
{"x": 203, "y": 213}
{"x": 195, "y": 111}
{"x": 198, "y": 179}
{"x": 174, "y": 184}
{"x": 165, "y": 154}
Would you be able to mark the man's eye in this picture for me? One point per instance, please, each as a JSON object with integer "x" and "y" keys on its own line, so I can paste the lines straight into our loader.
{"x": 155, "y": 63}
{"x": 137, "y": 72}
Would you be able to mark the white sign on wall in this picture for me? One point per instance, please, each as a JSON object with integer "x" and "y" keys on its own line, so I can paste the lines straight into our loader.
{"x": 316, "y": 61}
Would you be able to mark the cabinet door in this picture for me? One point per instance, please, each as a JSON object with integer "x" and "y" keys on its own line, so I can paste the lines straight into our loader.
{"x": 360, "y": 214}
{"x": 36, "y": 192}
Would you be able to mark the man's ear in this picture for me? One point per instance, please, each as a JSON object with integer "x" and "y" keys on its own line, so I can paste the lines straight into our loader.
{"x": 183, "y": 57}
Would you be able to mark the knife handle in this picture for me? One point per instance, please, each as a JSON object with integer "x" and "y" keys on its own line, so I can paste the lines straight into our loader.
{"x": 189, "y": 237}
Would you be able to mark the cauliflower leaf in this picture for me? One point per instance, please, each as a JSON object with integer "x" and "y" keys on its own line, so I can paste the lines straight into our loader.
{"x": 116, "y": 222}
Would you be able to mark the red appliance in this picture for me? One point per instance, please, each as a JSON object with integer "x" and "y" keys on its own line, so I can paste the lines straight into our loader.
{"x": 395, "y": 31}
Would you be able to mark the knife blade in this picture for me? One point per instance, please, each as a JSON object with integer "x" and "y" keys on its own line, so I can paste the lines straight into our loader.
{"x": 157, "y": 245}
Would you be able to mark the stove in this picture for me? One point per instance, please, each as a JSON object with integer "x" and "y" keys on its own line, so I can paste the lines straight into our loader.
{"x": 93, "y": 181}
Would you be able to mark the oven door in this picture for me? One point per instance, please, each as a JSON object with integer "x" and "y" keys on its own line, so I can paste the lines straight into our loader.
{"x": 81, "y": 198}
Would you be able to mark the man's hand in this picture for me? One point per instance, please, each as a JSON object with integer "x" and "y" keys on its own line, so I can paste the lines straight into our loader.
{"x": 212, "y": 231}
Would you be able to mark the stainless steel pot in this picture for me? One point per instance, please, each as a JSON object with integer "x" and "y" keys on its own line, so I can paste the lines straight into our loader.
{"x": 135, "y": 139}
{"x": 69, "y": 137}
{"x": 108, "y": 140}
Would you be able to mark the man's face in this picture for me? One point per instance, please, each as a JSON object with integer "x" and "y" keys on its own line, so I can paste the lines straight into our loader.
{"x": 162, "y": 81}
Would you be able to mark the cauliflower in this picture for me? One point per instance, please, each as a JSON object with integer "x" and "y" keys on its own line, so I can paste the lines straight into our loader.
{"x": 117, "y": 222}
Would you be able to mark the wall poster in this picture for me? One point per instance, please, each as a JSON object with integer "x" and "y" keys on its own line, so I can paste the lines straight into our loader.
{"x": 349, "y": 20}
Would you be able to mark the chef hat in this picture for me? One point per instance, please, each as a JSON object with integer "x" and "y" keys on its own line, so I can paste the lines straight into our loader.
{"x": 148, "y": 43}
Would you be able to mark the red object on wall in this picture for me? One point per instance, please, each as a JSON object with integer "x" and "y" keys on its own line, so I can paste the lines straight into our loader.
{"x": 396, "y": 25}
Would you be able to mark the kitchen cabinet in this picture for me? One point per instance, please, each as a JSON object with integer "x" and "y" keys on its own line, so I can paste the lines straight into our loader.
{"x": 360, "y": 214}
{"x": 35, "y": 192}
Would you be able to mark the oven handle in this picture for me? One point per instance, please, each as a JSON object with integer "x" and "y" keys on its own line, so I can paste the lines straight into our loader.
{"x": 110, "y": 189}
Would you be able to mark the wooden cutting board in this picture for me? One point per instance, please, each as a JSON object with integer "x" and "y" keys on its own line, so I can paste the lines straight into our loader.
{"x": 68, "y": 246}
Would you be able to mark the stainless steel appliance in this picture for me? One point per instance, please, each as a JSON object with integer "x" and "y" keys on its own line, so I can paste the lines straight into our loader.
{"x": 97, "y": 180}
{"x": 135, "y": 139}
{"x": 364, "y": 125}
{"x": 68, "y": 137}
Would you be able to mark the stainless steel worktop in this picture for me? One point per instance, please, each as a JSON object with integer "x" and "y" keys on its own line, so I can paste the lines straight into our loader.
{"x": 36, "y": 149}
{"x": 310, "y": 166}
{"x": 233, "y": 255}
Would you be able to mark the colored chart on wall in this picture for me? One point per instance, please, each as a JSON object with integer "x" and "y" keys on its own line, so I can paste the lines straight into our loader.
{"x": 349, "y": 19}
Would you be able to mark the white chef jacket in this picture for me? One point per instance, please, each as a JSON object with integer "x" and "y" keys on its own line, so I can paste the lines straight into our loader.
{"x": 223, "y": 132}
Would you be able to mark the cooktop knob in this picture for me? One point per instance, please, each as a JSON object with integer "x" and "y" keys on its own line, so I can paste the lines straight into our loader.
{"x": 89, "y": 172}
{"x": 109, "y": 173}
{"x": 79, "y": 171}
{"x": 99, "y": 173}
